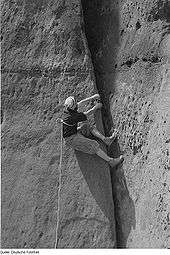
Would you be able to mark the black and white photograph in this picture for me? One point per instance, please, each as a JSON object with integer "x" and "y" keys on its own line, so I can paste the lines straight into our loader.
{"x": 85, "y": 126}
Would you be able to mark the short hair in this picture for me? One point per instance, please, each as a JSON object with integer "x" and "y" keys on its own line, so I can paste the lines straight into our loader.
{"x": 70, "y": 102}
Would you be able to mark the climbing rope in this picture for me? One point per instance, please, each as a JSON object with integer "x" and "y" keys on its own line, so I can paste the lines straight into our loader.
{"x": 60, "y": 181}
{"x": 59, "y": 187}
{"x": 61, "y": 150}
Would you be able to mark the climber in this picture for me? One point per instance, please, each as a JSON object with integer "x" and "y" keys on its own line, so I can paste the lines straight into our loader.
{"x": 78, "y": 137}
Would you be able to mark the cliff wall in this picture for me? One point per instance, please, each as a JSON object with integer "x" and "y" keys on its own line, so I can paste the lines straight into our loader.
{"x": 51, "y": 49}
{"x": 130, "y": 48}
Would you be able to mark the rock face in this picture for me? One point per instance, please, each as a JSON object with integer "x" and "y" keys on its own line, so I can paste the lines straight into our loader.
{"x": 140, "y": 111}
{"x": 46, "y": 57}
{"x": 129, "y": 46}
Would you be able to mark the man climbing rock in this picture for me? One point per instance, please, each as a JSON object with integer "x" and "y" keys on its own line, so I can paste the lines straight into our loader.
{"x": 78, "y": 137}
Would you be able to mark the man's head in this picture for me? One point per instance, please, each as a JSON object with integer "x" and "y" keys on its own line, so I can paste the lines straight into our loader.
{"x": 70, "y": 103}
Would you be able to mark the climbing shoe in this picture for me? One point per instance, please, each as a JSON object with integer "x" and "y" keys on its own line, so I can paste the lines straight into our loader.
{"x": 116, "y": 161}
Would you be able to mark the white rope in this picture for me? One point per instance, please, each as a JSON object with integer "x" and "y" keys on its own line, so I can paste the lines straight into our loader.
{"x": 68, "y": 124}
{"x": 59, "y": 187}
{"x": 60, "y": 175}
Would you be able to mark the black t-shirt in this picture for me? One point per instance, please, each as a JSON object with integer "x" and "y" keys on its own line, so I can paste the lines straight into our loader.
{"x": 72, "y": 117}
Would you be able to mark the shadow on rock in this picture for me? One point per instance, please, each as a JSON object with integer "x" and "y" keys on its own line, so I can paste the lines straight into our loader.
{"x": 97, "y": 175}
{"x": 124, "y": 206}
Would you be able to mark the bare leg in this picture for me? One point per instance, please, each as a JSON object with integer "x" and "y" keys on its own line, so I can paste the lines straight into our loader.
{"x": 103, "y": 155}
{"x": 106, "y": 140}
{"x": 97, "y": 134}
{"x": 112, "y": 161}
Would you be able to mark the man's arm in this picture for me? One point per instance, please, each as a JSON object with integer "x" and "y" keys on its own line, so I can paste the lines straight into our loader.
{"x": 96, "y": 96}
{"x": 92, "y": 110}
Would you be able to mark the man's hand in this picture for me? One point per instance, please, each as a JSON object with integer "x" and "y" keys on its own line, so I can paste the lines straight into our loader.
{"x": 92, "y": 110}
{"x": 98, "y": 106}
{"x": 96, "y": 96}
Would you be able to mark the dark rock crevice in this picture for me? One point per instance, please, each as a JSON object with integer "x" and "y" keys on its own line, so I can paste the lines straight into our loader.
{"x": 99, "y": 26}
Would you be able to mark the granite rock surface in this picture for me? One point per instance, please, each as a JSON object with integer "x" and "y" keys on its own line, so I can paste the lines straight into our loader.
{"x": 130, "y": 47}
{"x": 51, "y": 49}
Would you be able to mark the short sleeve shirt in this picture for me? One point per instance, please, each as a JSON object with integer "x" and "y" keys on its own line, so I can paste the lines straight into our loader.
{"x": 70, "y": 121}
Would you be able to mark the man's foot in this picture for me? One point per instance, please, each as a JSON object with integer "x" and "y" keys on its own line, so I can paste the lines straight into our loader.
{"x": 110, "y": 139}
{"x": 116, "y": 161}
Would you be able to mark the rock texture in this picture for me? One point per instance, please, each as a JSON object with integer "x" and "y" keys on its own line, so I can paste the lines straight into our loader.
{"x": 45, "y": 59}
{"x": 129, "y": 43}
{"x": 140, "y": 110}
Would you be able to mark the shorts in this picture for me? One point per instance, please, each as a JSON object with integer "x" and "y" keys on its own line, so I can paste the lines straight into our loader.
{"x": 81, "y": 142}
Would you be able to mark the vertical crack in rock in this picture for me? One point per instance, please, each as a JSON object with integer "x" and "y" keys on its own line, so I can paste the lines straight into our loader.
{"x": 99, "y": 18}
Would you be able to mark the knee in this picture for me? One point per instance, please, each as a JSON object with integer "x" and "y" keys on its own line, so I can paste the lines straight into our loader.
{"x": 85, "y": 129}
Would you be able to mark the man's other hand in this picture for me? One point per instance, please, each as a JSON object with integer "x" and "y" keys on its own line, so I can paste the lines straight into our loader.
{"x": 98, "y": 106}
